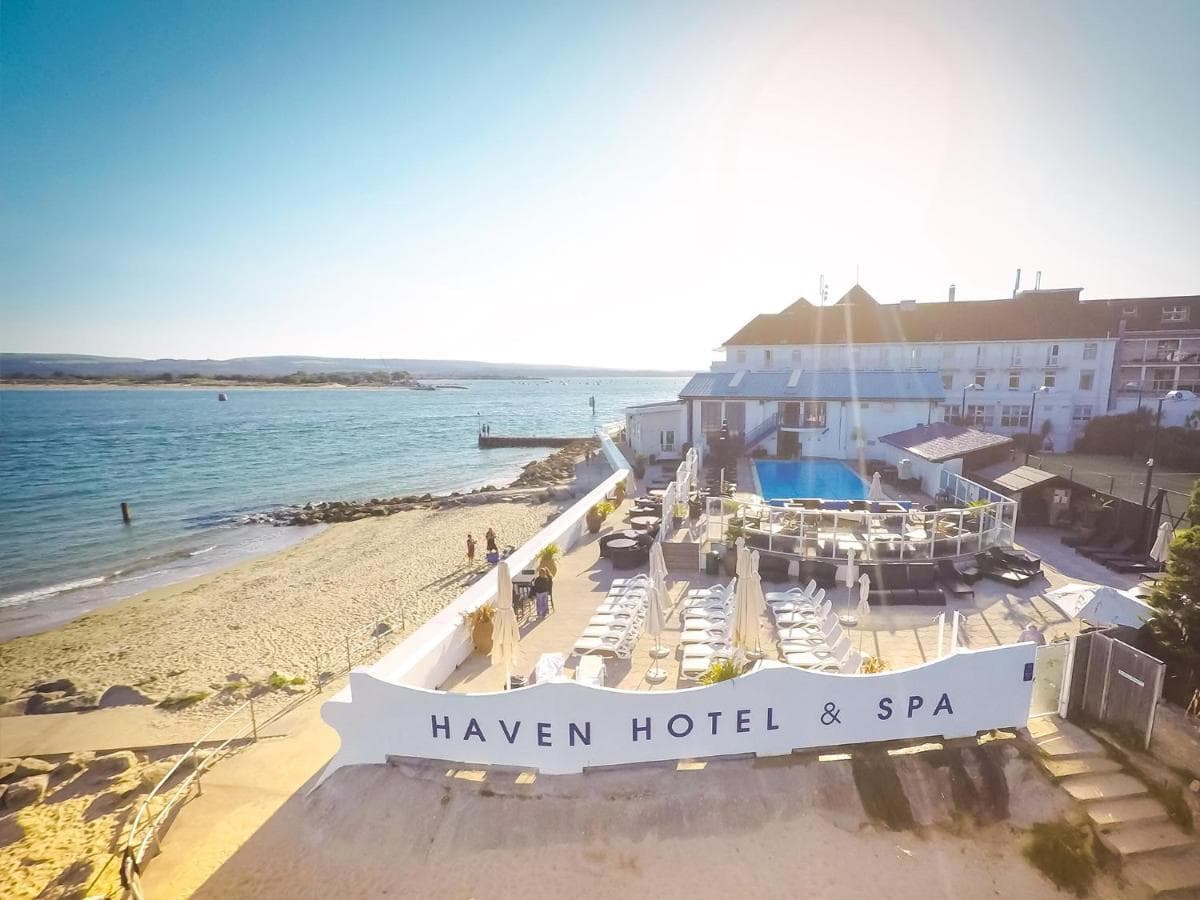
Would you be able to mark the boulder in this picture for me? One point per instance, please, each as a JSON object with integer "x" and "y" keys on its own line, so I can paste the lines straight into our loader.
{"x": 23, "y": 768}
{"x": 22, "y": 793}
{"x": 112, "y": 764}
{"x": 66, "y": 685}
{"x": 123, "y": 695}
{"x": 68, "y": 704}
{"x": 36, "y": 702}
{"x": 72, "y": 766}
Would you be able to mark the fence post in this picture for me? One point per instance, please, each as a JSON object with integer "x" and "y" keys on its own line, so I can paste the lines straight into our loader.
{"x": 1112, "y": 485}
{"x": 1071, "y": 473}
{"x": 253, "y": 720}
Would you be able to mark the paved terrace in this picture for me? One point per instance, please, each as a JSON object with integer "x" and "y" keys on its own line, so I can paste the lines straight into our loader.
{"x": 903, "y": 636}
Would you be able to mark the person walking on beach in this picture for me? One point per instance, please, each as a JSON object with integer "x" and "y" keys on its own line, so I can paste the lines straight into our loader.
{"x": 470, "y": 550}
{"x": 543, "y": 584}
{"x": 490, "y": 538}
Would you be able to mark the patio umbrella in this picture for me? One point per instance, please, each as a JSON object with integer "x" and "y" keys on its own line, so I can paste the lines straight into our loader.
{"x": 1100, "y": 604}
{"x": 505, "y": 633}
{"x": 851, "y": 574}
{"x": 749, "y": 609}
{"x": 656, "y": 598}
{"x": 1162, "y": 543}
{"x": 876, "y": 491}
{"x": 864, "y": 606}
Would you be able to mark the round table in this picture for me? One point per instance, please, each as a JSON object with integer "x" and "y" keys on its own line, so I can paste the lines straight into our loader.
{"x": 621, "y": 544}
{"x": 657, "y": 493}
{"x": 628, "y": 533}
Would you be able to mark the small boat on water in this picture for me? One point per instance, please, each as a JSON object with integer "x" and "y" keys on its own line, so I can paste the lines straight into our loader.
{"x": 222, "y": 397}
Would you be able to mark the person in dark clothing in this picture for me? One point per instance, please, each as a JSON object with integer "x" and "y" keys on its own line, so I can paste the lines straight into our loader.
{"x": 490, "y": 538}
{"x": 470, "y": 550}
{"x": 543, "y": 584}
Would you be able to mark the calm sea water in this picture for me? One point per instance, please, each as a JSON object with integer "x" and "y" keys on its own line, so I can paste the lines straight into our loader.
{"x": 191, "y": 467}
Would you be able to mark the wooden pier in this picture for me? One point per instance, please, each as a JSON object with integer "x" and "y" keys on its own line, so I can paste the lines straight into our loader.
{"x": 489, "y": 441}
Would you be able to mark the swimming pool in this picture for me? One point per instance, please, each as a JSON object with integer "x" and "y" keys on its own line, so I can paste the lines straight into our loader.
{"x": 827, "y": 479}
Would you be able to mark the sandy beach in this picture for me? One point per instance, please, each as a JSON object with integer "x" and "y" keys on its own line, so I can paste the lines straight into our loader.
{"x": 276, "y": 613}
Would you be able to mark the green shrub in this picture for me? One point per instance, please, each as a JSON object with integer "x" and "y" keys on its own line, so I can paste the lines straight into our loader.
{"x": 276, "y": 681}
{"x": 1063, "y": 852}
{"x": 721, "y": 670}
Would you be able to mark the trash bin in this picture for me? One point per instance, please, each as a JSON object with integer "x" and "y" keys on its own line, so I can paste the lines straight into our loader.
{"x": 712, "y": 563}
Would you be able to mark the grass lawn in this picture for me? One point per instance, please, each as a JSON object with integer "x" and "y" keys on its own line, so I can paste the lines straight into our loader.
{"x": 1120, "y": 476}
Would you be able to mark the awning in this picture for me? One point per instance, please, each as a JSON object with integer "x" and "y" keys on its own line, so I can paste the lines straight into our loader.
{"x": 1100, "y": 605}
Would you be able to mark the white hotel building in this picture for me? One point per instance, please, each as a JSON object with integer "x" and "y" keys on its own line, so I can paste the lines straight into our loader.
{"x": 1041, "y": 354}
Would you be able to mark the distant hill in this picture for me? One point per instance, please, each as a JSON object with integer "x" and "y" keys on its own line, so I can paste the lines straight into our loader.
{"x": 46, "y": 365}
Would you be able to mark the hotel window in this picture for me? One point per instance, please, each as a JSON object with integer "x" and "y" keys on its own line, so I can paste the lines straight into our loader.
{"x": 1081, "y": 414}
{"x": 766, "y": 359}
{"x": 1017, "y": 359}
{"x": 979, "y": 415}
{"x": 981, "y": 379}
{"x": 947, "y": 353}
{"x": 796, "y": 356}
{"x": 1048, "y": 379}
{"x": 666, "y": 440}
{"x": 1052, "y": 354}
{"x": 1175, "y": 314}
{"x": 1162, "y": 379}
{"x": 1014, "y": 381}
{"x": 1014, "y": 416}
{"x": 980, "y": 354}
{"x": 814, "y": 414}
{"x": 1166, "y": 351}
{"x": 1089, "y": 351}
{"x": 915, "y": 357}
{"x": 710, "y": 416}
{"x": 1086, "y": 380}
{"x": 740, "y": 356}
{"x": 947, "y": 382}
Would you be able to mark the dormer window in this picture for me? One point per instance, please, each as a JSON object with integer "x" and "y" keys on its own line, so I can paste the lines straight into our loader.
{"x": 1175, "y": 314}
{"x": 741, "y": 356}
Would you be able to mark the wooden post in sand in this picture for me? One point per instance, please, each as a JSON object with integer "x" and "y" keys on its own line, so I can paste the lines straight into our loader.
{"x": 126, "y": 515}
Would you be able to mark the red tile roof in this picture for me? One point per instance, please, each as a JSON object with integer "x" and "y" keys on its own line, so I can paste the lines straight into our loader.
{"x": 859, "y": 318}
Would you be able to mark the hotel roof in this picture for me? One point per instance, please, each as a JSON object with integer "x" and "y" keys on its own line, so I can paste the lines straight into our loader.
{"x": 859, "y": 318}
{"x": 941, "y": 441}
{"x": 1014, "y": 478}
{"x": 817, "y": 385}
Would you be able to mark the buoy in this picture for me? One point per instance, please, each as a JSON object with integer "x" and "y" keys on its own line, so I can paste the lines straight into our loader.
{"x": 126, "y": 515}
{"x": 222, "y": 397}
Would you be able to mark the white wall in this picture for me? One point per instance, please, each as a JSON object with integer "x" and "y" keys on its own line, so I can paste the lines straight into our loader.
{"x": 769, "y": 712}
{"x": 930, "y": 473}
{"x": 644, "y": 428}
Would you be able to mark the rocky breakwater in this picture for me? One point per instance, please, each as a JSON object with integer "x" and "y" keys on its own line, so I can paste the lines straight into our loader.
{"x": 540, "y": 481}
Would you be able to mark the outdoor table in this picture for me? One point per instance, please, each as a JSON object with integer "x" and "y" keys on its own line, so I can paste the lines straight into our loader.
{"x": 631, "y": 534}
{"x": 644, "y": 522}
{"x": 658, "y": 493}
{"x": 622, "y": 544}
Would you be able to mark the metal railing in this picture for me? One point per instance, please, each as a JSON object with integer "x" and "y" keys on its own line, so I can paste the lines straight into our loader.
{"x": 154, "y": 812}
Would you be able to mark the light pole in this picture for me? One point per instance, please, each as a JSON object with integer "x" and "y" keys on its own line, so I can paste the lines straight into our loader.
{"x": 1138, "y": 386}
{"x": 1153, "y": 448}
{"x": 962, "y": 415}
{"x": 1032, "y": 409}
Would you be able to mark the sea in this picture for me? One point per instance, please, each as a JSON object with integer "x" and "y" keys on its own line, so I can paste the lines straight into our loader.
{"x": 192, "y": 468}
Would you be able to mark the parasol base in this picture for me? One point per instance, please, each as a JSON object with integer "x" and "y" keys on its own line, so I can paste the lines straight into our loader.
{"x": 756, "y": 654}
{"x": 848, "y": 620}
{"x": 656, "y": 675}
{"x": 659, "y": 652}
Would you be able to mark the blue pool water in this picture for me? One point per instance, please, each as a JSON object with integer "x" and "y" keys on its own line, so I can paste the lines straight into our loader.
{"x": 827, "y": 479}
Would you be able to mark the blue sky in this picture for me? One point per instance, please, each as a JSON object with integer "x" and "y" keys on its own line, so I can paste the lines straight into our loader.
{"x": 620, "y": 183}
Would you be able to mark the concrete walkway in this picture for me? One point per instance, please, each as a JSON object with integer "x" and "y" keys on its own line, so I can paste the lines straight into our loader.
{"x": 1158, "y": 857}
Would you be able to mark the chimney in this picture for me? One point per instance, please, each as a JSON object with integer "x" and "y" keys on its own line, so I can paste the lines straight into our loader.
{"x": 1017, "y": 285}
{"x": 1037, "y": 280}
{"x": 950, "y": 299}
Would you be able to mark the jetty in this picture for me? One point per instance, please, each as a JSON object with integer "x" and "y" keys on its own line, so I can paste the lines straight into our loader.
{"x": 489, "y": 441}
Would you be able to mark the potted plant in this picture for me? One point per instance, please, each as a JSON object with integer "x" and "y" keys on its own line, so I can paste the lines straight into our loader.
{"x": 597, "y": 514}
{"x": 479, "y": 620}
{"x": 721, "y": 670}
{"x": 971, "y": 520}
{"x": 733, "y": 531}
{"x": 639, "y": 466}
{"x": 548, "y": 559}
{"x": 619, "y": 492}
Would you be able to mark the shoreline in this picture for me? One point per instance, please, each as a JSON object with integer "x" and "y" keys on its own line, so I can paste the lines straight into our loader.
{"x": 281, "y": 611}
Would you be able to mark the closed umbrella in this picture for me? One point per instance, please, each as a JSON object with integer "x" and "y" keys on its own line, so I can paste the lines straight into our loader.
{"x": 749, "y": 609}
{"x": 847, "y": 618}
{"x": 656, "y": 599}
{"x": 505, "y": 633}
{"x": 876, "y": 492}
{"x": 1162, "y": 543}
{"x": 864, "y": 606}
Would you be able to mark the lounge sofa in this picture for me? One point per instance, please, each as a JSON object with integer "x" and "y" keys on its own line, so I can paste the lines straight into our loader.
{"x": 903, "y": 583}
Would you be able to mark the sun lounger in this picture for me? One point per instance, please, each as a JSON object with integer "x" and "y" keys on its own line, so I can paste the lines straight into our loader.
{"x": 952, "y": 582}
{"x": 1122, "y": 547}
{"x": 994, "y": 569}
{"x": 1133, "y": 564}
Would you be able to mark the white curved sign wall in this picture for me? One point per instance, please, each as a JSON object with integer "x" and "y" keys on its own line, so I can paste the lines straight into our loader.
{"x": 564, "y": 727}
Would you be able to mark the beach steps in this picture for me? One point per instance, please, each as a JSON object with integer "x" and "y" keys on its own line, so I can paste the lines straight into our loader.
{"x": 1158, "y": 857}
